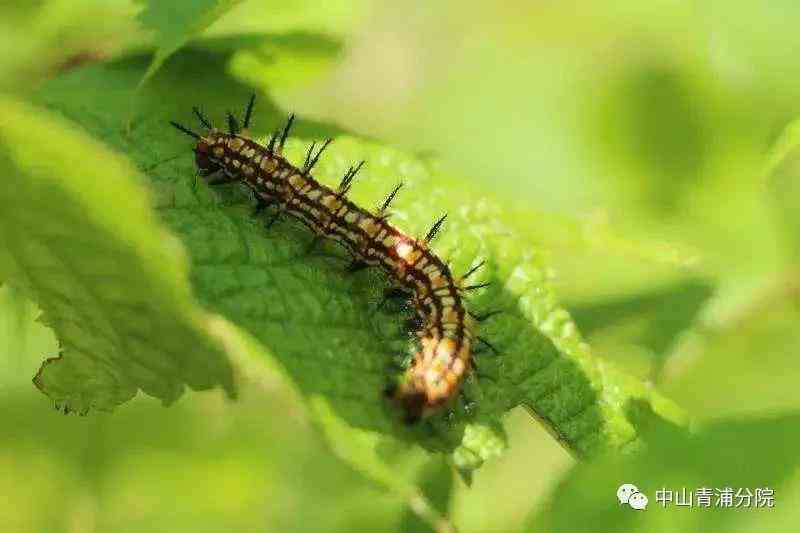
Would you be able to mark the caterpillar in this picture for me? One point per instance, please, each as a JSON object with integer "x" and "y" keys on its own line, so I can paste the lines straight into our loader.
{"x": 446, "y": 332}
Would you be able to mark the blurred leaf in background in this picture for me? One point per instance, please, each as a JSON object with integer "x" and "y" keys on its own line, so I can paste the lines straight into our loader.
{"x": 634, "y": 110}
{"x": 758, "y": 453}
{"x": 203, "y": 465}
{"x": 173, "y": 24}
{"x": 783, "y": 182}
{"x": 648, "y": 322}
{"x": 41, "y": 38}
{"x": 23, "y": 340}
{"x": 753, "y": 454}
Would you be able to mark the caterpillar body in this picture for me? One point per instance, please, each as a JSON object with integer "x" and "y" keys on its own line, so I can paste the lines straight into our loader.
{"x": 447, "y": 330}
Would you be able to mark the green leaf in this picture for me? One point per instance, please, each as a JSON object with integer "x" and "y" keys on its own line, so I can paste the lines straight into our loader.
{"x": 738, "y": 454}
{"x": 323, "y": 325}
{"x": 651, "y": 320}
{"x": 402, "y": 468}
{"x": 755, "y": 344}
{"x": 669, "y": 310}
{"x": 783, "y": 180}
{"x": 175, "y": 23}
{"x": 20, "y": 335}
{"x": 80, "y": 237}
{"x": 436, "y": 480}
{"x": 41, "y": 38}
{"x": 285, "y": 62}
{"x": 258, "y": 17}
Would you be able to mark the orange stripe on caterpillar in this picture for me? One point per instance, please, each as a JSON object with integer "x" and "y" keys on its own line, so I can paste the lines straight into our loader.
{"x": 446, "y": 334}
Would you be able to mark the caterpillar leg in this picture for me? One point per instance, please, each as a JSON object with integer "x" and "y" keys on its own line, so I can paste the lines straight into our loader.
{"x": 469, "y": 405}
{"x": 413, "y": 323}
{"x": 261, "y": 203}
{"x": 485, "y": 316}
{"x": 394, "y": 294}
{"x": 260, "y": 206}
{"x": 313, "y": 246}
{"x": 275, "y": 217}
{"x": 486, "y": 344}
{"x": 354, "y": 266}
{"x": 220, "y": 179}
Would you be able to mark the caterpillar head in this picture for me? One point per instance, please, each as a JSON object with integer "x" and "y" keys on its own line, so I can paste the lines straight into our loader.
{"x": 432, "y": 380}
{"x": 208, "y": 149}
{"x": 413, "y": 403}
{"x": 203, "y": 157}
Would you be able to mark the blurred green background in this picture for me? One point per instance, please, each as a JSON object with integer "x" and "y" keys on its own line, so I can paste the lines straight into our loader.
{"x": 644, "y": 145}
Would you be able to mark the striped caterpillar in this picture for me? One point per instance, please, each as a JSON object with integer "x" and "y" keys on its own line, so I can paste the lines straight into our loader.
{"x": 447, "y": 330}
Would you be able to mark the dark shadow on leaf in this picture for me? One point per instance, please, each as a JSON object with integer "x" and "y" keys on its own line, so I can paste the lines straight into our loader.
{"x": 664, "y": 313}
